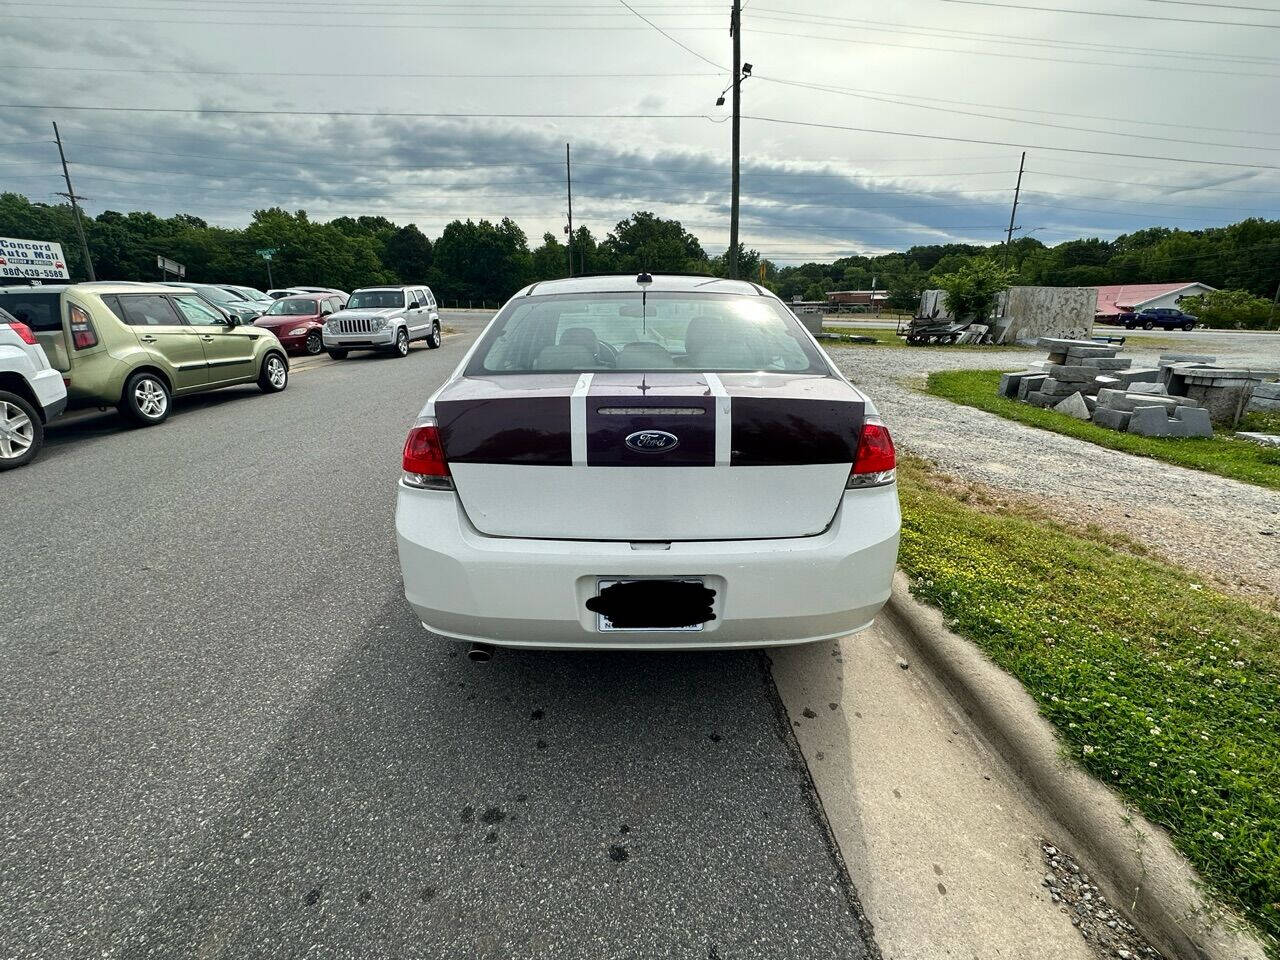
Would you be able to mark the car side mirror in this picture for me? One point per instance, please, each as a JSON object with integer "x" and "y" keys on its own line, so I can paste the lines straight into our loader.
{"x": 233, "y": 320}
{"x": 415, "y": 305}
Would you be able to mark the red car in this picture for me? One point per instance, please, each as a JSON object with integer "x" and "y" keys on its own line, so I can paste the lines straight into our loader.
{"x": 298, "y": 321}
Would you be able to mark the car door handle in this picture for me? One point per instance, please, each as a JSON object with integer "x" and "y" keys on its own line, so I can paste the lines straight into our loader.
{"x": 206, "y": 338}
{"x": 147, "y": 339}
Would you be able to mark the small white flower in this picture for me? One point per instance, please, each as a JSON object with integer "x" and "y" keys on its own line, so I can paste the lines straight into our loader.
{"x": 1218, "y": 836}
{"x": 1155, "y": 731}
{"x": 1087, "y": 749}
{"x": 1151, "y": 763}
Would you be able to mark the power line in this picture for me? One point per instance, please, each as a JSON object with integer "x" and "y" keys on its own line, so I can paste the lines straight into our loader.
{"x": 671, "y": 38}
{"x": 1037, "y": 123}
{"x": 1003, "y": 143}
{"x": 1107, "y": 13}
{"x": 367, "y": 76}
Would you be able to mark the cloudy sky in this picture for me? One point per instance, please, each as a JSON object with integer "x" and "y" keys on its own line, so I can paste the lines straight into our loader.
{"x": 868, "y": 126}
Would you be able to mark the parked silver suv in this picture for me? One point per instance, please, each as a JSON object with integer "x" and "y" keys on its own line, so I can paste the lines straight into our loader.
{"x": 383, "y": 318}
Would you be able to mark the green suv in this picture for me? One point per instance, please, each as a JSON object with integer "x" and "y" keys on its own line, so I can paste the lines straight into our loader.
{"x": 136, "y": 346}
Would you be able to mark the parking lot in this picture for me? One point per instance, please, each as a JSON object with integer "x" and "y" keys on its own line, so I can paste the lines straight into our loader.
{"x": 225, "y": 734}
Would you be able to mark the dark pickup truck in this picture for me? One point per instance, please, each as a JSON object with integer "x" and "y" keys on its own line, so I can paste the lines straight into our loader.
{"x": 1166, "y": 317}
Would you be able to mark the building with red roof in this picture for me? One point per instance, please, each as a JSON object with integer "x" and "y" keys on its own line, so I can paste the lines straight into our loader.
{"x": 1121, "y": 298}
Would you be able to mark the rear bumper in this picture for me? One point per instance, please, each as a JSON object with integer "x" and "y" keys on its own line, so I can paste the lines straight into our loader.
{"x": 50, "y": 391}
{"x": 533, "y": 593}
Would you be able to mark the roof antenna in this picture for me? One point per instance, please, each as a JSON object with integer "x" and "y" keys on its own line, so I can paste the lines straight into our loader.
{"x": 644, "y": 280}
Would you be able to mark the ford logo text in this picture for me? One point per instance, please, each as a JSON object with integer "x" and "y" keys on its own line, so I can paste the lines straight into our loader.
{"x": 652, "y": 441}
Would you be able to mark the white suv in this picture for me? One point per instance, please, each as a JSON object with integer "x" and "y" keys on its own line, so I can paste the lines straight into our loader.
{"x": 383, "y": 318}
{"x": 31, "y": 393}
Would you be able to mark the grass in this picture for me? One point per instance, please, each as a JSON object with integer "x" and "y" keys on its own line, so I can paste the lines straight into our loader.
{"x": 1221, "y": 454}
{"x": 1159, "y": 686}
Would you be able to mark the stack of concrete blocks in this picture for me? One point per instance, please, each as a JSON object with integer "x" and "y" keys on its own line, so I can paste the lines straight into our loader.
{"x": 1226, "y": 392}
{"x": 1085, "y": 379}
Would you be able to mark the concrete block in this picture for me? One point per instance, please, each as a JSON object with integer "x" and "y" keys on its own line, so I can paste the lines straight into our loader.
{"x": 1106, "y": 383}
{"x": 1107, "y": 363}
{"x": 1266, "y": 439}
{"x": 1074, "y": 406}
{"x": 1136, "y": 375}
{"x": 1057, "y": 388}
{"x": 1115, "y": 419}
{"x": 1056, "y": 357}
{"x": 1009, "y": 383}
{"x": 1038, "y": 399}
{"x": 1150, "y": 422}
{"x": 1267, "y": 391}
{"x": 1140, "y": 400}
{"x": 1076, "y": 354}
{"x": 1263, "y": 405}
{"x": 1193, "y": 421}
{"x": 1168, "y": 359}
{"x": 1060, "y": 345}
{"x": 1091, "y": 403}
{"x": 1065, "y": 373}
{"x": 1028, "y": 383}
{"x": 1113, "y": 399}
{"x": 1140, "y": 387}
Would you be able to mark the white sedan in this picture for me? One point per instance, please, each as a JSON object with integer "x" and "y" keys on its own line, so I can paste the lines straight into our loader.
{"x": 652, "y": 462}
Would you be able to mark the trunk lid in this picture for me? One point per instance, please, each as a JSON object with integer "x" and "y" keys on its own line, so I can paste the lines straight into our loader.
{"x": 650, "y": 456}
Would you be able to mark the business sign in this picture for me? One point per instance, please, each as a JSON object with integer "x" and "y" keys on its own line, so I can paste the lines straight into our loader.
{"x": 268, "y": 253}
{"x": 171, "y": 266}
{"x": 32, "y": 260}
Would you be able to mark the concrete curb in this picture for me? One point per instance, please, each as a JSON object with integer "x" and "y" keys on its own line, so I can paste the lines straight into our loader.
{"x": 1133, "y": 861}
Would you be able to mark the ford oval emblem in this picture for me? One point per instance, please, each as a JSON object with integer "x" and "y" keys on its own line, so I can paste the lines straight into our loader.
{"x": 652, "y": 441}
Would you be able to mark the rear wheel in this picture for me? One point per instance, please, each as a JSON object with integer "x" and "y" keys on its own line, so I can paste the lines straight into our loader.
{"x": 401, "y": 349}
{"x": 21, "y": 432}
{"x": 314, "y": 344}
{"x": 433, "y": 338}
{"x": 337, "y": 353}
{"x": 1188, "y": 327}
{"x": 274, "y": 376}
{"x": 146, "y": 399}
{"x": 1128, "y": 326}
{"x": 1148, "y": 325}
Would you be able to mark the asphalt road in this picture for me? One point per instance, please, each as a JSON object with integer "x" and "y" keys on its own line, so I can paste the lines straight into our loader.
{"x": 223, "y": 734}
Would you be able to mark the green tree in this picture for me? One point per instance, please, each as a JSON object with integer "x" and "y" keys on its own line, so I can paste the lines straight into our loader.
{"x": 645, "y": 241}
{"x": 1231, "y": 309}
{"x": 406, "y": 252}
{"x": 971, "y": 290}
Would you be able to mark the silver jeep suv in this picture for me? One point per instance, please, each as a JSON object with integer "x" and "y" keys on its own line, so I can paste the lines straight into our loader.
{"x": 383, "y": 318}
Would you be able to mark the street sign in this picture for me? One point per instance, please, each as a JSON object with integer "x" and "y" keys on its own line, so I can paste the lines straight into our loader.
{"x": 168, "y": 266}
{"x": 32, "y": 260}
{"x": 268, "y": 253}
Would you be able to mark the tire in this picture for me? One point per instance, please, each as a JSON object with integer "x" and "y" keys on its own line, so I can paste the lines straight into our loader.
{"x": 314, "y": 345}
{"x": 274, "y": 375}
{"x": 146, "y": 400}
{"x": 401, "y": 348}
{"x": 1148, "y": 325}
{"x": 21, "y": 431}
{"x": 1188, "y": 327}
{"x": 1128, "y": 326}
{"x": 337, "y": 353}
{"x": 433, "y": 338}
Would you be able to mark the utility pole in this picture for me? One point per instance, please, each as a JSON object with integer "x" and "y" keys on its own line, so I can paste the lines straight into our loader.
{"x": 735, "y": 31}
{"x": 1008, "y": 239}
{"x": 75, "y": 205}
{"x": 568, "y": 183}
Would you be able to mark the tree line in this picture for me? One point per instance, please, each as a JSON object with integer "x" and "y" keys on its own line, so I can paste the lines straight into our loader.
{"x": 485, "y": 262}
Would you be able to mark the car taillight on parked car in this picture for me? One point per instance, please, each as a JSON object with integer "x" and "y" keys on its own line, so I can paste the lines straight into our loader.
{"x": 24, "y": 332}
{"x": 424, "y": 461}
{"x": 876, "y": 460}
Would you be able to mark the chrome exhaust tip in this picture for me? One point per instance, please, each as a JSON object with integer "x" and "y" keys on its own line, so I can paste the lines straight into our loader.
{"x": 480, "y": 653}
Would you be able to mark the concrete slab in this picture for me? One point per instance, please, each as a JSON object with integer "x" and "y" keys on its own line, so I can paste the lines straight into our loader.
{"x": 1074, "y": 406}
{"x": 1114, "y": 419}
{"x": 1266, "y": 439}
{"x": 1150, "y": 422}
{"x": 942, "y": 844}
{"x": 1107, "y": 363}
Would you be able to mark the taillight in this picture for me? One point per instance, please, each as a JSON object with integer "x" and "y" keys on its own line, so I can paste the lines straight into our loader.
{"x": 875, "y": 461}
{"x": 425, "y": 465}
{"x": 23, "y": 331}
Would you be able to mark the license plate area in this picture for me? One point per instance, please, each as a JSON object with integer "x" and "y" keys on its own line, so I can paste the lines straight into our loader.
{"x": 671, "y": 605}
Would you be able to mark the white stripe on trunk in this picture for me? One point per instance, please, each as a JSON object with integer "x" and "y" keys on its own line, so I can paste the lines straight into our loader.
{"x": 724, "y": 420}
{"x": 578, "y": 420}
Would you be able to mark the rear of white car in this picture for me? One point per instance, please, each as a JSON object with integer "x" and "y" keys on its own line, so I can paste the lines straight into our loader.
{"x": 672, "y": 464}
{"x": 31, "y": 393}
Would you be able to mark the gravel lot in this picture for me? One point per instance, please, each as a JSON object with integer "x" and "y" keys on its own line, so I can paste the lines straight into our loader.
{"x": 1225, "y": 530}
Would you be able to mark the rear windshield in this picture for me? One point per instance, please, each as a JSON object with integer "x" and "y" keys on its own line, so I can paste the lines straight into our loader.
{"x": 375, "y": 299}
{"x": 293, "y": 308}
{"x": 39, "y": 311}
{"x": 615, "y": 331}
